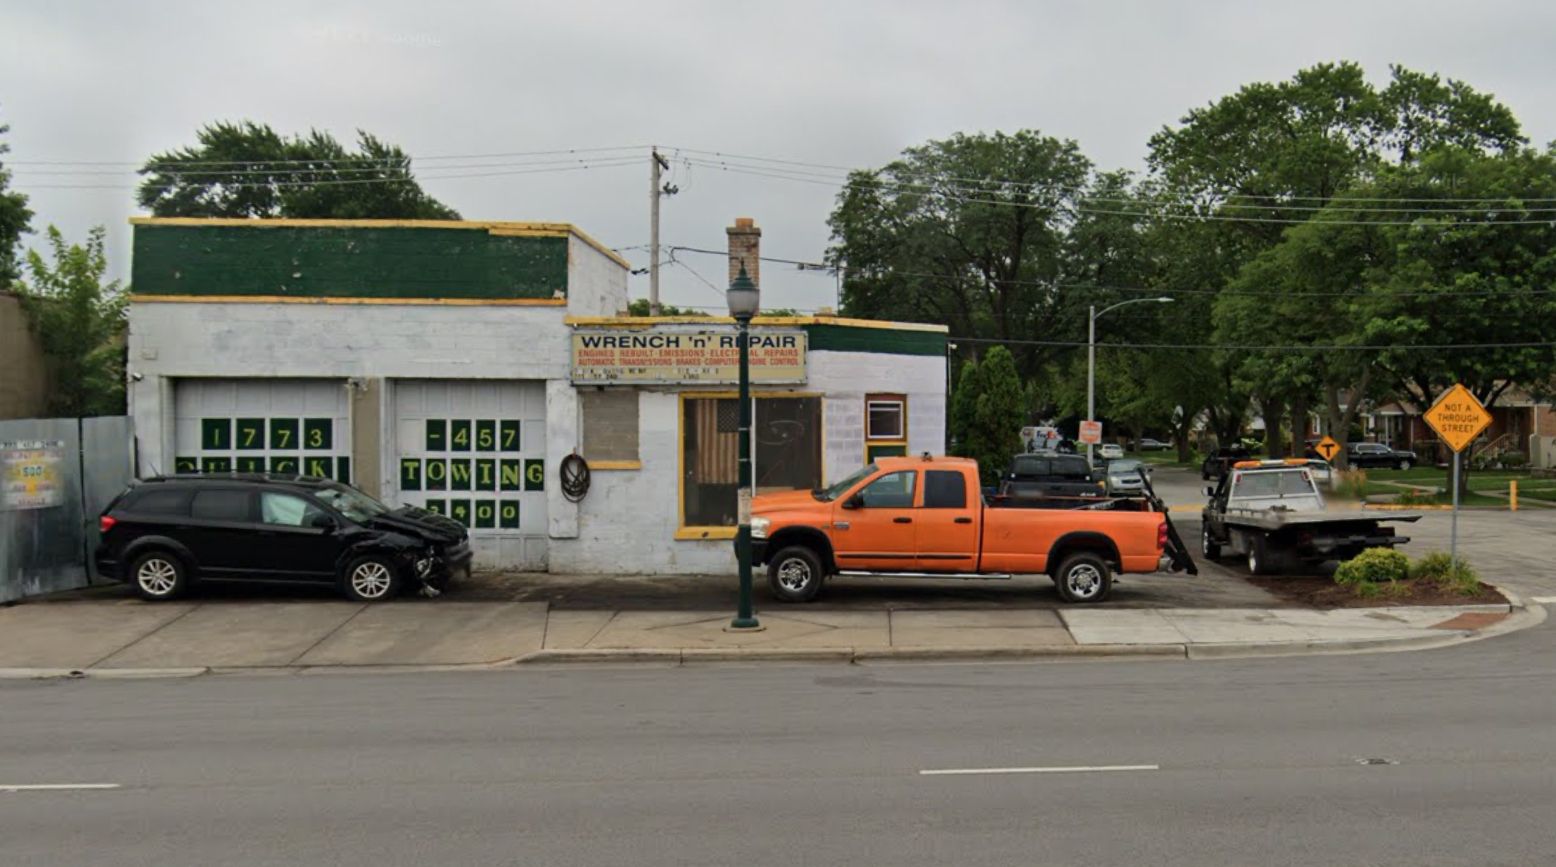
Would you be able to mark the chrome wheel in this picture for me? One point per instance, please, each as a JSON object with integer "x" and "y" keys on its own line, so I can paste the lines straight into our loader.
{"x": 1404, "y": 465}
{"x": 794, "y": 575}
{"x": 157, "y": 577}
{"x": 1083, "y": 581}
{"x": 371, "y": 580}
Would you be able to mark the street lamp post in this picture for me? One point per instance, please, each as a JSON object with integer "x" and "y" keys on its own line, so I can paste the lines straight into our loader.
{"x": 1091, "y": 358}
{"x": 745, "y": 299}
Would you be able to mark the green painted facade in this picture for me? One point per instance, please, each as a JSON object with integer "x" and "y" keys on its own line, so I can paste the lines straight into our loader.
{"x": 851, "y": 338}
{"x": 347, "y": 262}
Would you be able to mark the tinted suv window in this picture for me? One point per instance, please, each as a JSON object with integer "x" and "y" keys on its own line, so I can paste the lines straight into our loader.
{"x": 287, "y": 510}
{"x": 161, "y": 503}
{"x": 1072, "y": 468}
{"x": 221, "y": 505}
{"x": 944, "y": 489}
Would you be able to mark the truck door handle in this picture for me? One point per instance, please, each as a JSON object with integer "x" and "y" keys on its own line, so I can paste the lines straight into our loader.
{"x": 902, "y": 520}
{"x": 963, "y": 520}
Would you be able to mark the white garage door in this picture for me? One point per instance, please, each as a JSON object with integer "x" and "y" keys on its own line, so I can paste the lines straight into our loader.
{"x": 262, "y": 425}
{"x": 475, "y": 450}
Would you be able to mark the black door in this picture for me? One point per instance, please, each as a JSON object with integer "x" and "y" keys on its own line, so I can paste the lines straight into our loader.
{"x": 298, "y": 539}
{"x": 220, "y": 530}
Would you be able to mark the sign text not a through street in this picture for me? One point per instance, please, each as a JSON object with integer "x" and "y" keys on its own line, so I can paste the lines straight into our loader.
{"x": 1458, "y": 417}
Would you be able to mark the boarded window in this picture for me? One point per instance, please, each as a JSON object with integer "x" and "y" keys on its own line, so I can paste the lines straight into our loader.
{"x": 610, "y": 424}
{"x": 786, "y": 452}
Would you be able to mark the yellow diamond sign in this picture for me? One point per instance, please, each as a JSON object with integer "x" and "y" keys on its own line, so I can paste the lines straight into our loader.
{"x": 1328, "y": 448}
{"x": 1458, "y": 417}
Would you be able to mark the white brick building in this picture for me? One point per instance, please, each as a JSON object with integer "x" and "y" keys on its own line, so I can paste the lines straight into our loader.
{"x": 432, "y": 364}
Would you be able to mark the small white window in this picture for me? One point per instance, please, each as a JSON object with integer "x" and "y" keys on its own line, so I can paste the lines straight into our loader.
{"x": 885, "y": 419}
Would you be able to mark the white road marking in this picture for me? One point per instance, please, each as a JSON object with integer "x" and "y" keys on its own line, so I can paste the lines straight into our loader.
{"x": 946, "y": 772}
{"x": 1545, "y": 600}
{"x": 55, "y": 787}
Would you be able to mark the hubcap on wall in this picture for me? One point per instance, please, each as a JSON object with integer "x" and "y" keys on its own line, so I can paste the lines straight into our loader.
{"x": 157, "y": 576}
{"x": 370, "y": 580}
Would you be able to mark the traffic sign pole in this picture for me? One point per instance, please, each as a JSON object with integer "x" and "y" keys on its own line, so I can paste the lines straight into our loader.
{"x": 1453, "y": 531}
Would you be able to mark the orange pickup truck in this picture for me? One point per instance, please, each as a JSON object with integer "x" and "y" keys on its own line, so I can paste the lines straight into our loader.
{"x": 926, "y": 518}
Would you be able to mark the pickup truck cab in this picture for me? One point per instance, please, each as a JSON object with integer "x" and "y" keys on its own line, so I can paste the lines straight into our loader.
{"x": 1273, "y": 513}
{"x": 925, "y": 518}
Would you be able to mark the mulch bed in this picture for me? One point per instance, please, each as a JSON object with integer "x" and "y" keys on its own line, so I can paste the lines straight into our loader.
{"x": 1320, "y": 591}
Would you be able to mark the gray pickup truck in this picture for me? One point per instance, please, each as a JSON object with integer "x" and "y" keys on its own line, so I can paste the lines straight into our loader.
{"x": 1273, "y": 513}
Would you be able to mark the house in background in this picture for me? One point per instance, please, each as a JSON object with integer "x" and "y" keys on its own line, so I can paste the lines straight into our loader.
{"x": 1519, "y": 423}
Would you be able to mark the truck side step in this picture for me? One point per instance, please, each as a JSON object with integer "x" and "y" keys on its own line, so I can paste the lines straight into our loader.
{"x": 980, "y": 576}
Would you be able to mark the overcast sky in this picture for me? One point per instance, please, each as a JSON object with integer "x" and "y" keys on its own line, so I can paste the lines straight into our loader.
{"x": 841, "y": 83}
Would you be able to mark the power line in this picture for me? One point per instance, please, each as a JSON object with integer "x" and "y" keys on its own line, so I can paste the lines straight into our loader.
{"x": 405, "y": 180}
{"x": 1081, "y": 191}
{"x": 333, "y": 160}
{"x": 1160, "y": 215}
{"x": 1159, "y": 290}
{"x": 321, "y": 166}
{"x": 1076, "y": 344}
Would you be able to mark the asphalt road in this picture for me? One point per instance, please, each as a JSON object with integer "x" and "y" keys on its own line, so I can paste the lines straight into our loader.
{"x": 1257, "y": 762}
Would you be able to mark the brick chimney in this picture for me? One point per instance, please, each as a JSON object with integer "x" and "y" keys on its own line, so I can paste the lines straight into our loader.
{"x": 745, "y": 248}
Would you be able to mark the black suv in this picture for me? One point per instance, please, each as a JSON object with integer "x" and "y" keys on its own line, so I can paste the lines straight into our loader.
{"x": 1217, "y": 462}
{"x": 1378, "y": 455}
{"x": 165, "y": 533}
{"x": 1037, "y": 478}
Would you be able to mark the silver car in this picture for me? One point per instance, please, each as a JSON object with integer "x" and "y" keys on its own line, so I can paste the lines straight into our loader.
{"x": 1124, "y": 476}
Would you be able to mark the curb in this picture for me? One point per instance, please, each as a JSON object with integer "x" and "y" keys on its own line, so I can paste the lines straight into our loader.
{"x": 1052, "y": 651}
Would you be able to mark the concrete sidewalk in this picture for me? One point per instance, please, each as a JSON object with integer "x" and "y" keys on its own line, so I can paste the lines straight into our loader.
{"x": 127, "y": 638}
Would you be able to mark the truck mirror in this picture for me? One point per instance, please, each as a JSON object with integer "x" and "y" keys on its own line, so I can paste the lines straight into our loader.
{"x": 853, "y": 502}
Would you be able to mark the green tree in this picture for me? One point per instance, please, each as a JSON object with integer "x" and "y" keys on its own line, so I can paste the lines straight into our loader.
{"x": 80, "y": 322}
{"x": 247, "y": 169}
{"x": 1274, "y": 155}
{"x": 994, "y": 434}
{"x": 964, "y": 407}
{"x": 15, "y": 221}
{"x": 968, "y": 232}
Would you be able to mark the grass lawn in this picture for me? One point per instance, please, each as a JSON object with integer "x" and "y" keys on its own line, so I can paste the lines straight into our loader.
{"x": 1168, "y": 458}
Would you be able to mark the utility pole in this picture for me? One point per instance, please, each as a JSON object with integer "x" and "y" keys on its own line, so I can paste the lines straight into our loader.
{"x": 655, "y": 191}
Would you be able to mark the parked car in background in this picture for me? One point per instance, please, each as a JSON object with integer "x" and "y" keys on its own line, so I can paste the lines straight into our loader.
{"x": 1110, "y": 451}
{"x": 165, "y": 534}
{"x": 1216, "y": 463}
{"x": 1125, "y": 476}
{"x": 1378, "y": 456}
{"x": 1149, "y": 445}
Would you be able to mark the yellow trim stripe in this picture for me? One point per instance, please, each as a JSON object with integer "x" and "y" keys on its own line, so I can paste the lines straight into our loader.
{"x": 507, "y": 228}
{"x": 616, "y": 465}
{"x": 651, "y": 321}
{"x": 706, "y": 534}
{"x": 293, "y": 299}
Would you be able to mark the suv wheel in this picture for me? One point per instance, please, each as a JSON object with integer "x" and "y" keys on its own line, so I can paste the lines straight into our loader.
{"x": 373, "y": 578}
{"x": 158, "y": 576}
{"x": 1404, "y": 463}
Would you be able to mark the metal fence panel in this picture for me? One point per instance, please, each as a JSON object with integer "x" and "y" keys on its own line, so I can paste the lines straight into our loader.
{"x": 51, "y": 491}
{"x": 107, "y": 468}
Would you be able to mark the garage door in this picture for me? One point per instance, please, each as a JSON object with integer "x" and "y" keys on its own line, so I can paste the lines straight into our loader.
{"x": 262, "y": 425}
{"x": 475, "y": 451}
